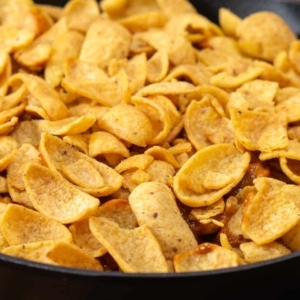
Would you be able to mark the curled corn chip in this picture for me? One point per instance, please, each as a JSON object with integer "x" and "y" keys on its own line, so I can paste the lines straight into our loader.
{"x": 58, "y": 154}
{"x": 154, "y": 206}
{"x": 97, "y": 51}
{"x": 102, "y": 142}
{"x": 206, "y": 257}
{"x": 263, "y": 35}
{"x": 7, "y": 146}
{"x": 224, "y": 160}
{"x": 163, "y": 154}
{"x": 85, "y": 240}
{"x": 130, "y": 247}
{"x": 71, "y": 125}
{"x": 55, "y": 197}
{"x": 21, "y": 225}
{"x": 139, "y": 161}
{"x": 127, "y": 123}
{"x": 160, "y": 171}
{"x": 229, "y": 21}
{"x": 255, "y": 253}
{"x": 260, "y": 227}
{"x": 111, "y": 92}
{"x": 211, "y": 128}
{"x": 85, "y": 11}
{"x": 158, "y": 66}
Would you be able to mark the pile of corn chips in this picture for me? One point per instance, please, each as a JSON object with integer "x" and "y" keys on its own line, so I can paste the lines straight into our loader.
{"x": 138, "y": 136}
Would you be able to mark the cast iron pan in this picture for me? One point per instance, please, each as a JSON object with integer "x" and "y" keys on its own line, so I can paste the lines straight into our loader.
{"x": 275, "y": 279}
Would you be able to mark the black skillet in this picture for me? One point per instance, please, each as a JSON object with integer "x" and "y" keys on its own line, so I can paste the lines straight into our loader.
{"x": 275, "y": 279}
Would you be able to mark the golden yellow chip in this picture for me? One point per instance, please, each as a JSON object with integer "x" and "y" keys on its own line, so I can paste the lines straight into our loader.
{"x": 269, "y": 214}
{"x": 154, "y": 205}
{"x": 36, "y": 55}
{"x": 85, "y": 240}
{"x": 197, "y": 74}
{"x": 205, "y": 213}
{"x": 263, "y": 35}
{"x": 139, "y": 161}
{"x": 20, "y": 225}
{"x": 47, "y": 97}
{"x": 114, "y": 42}
{"x": 118, "y": 211}
{"x": 84, "y": 10}
{"x": 83, "y": 78}
{"x": 229, "y": 21}
{"x": 255, "y": 253}
{"x": 133, "y": 178}
{"x": 65, "y": 46}
{"x": 7, "y": 147}
{"x": 223, "y": 159}
{"x": 290, "y": 108}
{"x": 55, "y": 197}
{"x": 163, "y": 154}
{"x": 130, "y": 248}
{"x": 27, "y": 132}
{"x": 205, "y": 257}
{"x": 160, "y": 171}
{"x": 127, "y": 123}
{"x": 158, "y": 66}
{"x": 58, "y": 154}
{"x": 269, "y": 132}
{"x": 291, "y": 168}
{"x": 160, "y": 121}
{"x": 79, "y": 141}
{"x": 211, "y": 128}
{"x": 144, "y": 21}
{"x": 102, "y": 142}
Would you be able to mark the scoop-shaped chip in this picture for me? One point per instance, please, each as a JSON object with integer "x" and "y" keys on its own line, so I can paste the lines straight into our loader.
{"x": 127, "y": 123}
{"x": 118, "y": 211}
{"x": 154, "y": 205}
{"x": 55, "y": 197}
{"x": 269, "y": 214}
{"x": 133, "y": 178}
{"x": 269, "y": 132}
{"x": 290, "y": 108}
{"x": 27, "y": 132}
{"x": 291, "y": 168}
{"x": 263, "y": 35}
{"x": 21, "y": 225}
{"x": 97, "y": 50}
{"x": 160, "y": 171}
{"x": 229, "y": 21}
{"x": 47, "y": 97}
{"x": 65, "y": 46}
{"x": 223, "y": 159}
{"x": 7, "y": 147}
{"x": 82, "y": 173}
{"x": 85, "y": 240}
{"x": 167, "y": 88}
{"x": 161, "y": 123}
{"x": 204, "y": 213}
{"x": 205, "y": 257}
{"x": 102, "y": 142}
{"x": 85, "y": 11}
{"x": 211, "y": 128}
{"x": 130, "y": 248}
{"x": 163, "y": 154}
{"x": 71, "y": 125}
{"x": 139, "y": 161}
{"x": 144, "y": 21}
{"x": 197, "y": 74}
{"x": 83, "y": 78}
{"x": 158, "y": 66}
{"x": 15, "y": 182}
{"x": 254, "y": 253}
{"x": 259, "y": 92}
{"x": 80, "y": 141}
{"x": 57, "y": 154}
